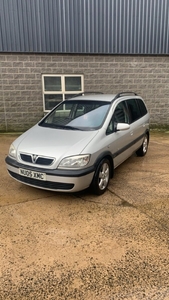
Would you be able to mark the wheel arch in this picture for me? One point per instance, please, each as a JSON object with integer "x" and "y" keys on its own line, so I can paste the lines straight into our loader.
{"x": 148, "y": 134}
{"x": 102, "y": 156}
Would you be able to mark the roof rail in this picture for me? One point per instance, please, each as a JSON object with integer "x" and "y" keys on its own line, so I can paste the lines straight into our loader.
{"x": 84, "y": 93}
{"x": 123, "y": 94}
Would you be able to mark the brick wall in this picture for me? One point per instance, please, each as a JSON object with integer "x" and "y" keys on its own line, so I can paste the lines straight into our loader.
{"x": 21, "y": 104}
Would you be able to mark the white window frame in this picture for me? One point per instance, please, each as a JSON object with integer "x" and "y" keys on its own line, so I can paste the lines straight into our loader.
{"x": 63, "y": 91}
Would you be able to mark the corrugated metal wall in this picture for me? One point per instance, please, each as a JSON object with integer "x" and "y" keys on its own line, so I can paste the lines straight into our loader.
{"x": 85, "y": 26}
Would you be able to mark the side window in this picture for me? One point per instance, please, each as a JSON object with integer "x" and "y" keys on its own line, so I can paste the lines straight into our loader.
{"x": 134, "y": 110}
{"x": 142, "y": 107}
{"x": 120, "y": 115}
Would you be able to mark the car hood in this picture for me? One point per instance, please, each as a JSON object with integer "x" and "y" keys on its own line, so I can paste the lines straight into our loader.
{"x": 55, "y": 143}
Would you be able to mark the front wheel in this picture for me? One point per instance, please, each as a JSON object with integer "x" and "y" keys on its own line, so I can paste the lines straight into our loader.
{"x": 144, "y": 147}
{"x": 101, "y": 177}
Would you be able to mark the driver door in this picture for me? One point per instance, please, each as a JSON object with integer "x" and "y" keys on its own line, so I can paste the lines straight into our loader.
{"x": 119, "y": 141}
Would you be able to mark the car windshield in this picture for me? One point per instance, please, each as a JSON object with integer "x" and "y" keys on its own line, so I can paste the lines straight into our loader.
{"x": 77, "y": 115}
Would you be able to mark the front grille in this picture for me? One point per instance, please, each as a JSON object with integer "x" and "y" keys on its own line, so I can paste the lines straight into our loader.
{"x": 44, "y": 161}
{"x": 43, "y": 184}
{"x": 26, "y": 158}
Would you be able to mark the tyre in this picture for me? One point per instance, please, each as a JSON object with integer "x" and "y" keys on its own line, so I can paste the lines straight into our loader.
{"x": 144, "y": 147}
{"x": 101, "y": 177}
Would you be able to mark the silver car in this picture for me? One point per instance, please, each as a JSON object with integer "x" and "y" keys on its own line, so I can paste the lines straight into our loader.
{"x": 80, "y": 142}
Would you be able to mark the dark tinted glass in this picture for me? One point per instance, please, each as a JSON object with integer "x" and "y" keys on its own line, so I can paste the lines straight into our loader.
{"x": 134, "y": 110}
{"x": 142, "y": 107}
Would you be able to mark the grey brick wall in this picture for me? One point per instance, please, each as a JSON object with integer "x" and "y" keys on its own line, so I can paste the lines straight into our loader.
{"x": 21, "y": 104}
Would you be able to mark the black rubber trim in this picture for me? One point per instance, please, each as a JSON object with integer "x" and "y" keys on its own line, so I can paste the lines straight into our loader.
{"x": 108, "y": 153}
{"x": 125, "y": 94}
{"x": 41, "y": 183}
{"x": 128, "y": 146}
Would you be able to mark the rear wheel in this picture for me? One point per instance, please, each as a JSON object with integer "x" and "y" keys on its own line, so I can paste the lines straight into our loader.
{"x": 101, "y": 177}
{"x": 144, "y": 147}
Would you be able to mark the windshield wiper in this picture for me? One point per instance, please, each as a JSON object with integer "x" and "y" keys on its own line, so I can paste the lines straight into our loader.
{"x": 57, "y": 126}
{"x": 72, "y": 128}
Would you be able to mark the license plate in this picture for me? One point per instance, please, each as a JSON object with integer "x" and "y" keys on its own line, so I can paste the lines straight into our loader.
{"x": 32, "y": 174}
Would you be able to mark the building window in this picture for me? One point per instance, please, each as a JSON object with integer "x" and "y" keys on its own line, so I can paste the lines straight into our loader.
{"x": 57, "y": 88}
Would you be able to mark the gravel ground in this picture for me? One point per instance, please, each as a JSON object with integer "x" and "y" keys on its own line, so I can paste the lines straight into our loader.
{"x": 80, "y": 246}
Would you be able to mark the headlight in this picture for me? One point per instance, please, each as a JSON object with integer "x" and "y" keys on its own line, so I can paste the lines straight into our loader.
{"x": 74, "y": 162}
{"x": 12, "y": 151}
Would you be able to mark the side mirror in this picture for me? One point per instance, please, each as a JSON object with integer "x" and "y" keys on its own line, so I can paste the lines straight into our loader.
{"x": 121, "y": 126}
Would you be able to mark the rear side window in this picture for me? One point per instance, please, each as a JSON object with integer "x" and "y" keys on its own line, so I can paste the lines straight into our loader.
{"x": 137, "y": 109}
{"x": 142, "y": 107}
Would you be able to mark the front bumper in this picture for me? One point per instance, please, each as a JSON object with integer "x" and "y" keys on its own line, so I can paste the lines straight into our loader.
{"x": 56, "y": 180}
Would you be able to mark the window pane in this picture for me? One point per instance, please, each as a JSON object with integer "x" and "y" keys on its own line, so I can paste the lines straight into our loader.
{"x": 135, "y": 113}
{"x": 52, "y": 100}
{"x": 68, "y": 96}
{"x": 52, "y": 83}
{"x": 85, "y": 115}
{"x": 73, "y": 84}
{"x": 121, "y": 114}
{"x": 142, "y": 107}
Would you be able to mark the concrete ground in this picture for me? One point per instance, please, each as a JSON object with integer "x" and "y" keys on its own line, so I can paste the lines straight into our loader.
{"x": 80, "y": 246}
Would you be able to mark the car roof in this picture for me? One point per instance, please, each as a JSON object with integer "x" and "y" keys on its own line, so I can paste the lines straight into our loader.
{"x": 101, "y": 96}
{"x": 95, "y": 97}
